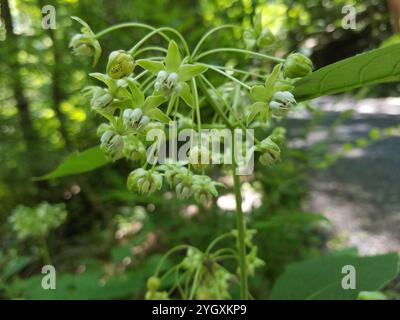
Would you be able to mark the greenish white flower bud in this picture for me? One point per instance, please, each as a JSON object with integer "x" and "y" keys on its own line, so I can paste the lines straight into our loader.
{"x": 199, "y": 157}
{"x": 131, "y": 117}
{"x": 102, "y": 128}
{"x": 112, "y": 143}
{"x": 204, "y": 189}
{"x": 270, "y": 151}
{"x": 134, "y": 149}
{"x": 143, "y": 181}
{"x": 81, "y": 46}
{"x": 135, "y": 119}
{"x": 282, "y": 102}
{"x": 101, "y": 99}
{"x": 297, "y": 66}
{"x": 172, "y": 80}
{"x": 120, "y": 64}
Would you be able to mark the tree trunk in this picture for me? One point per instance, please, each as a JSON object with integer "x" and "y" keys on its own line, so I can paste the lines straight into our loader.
{"x": 394, "y": 7}
{"x": 29, "y": 134}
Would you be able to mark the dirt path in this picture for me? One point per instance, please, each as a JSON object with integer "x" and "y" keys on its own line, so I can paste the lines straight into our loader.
{"x": 360, "y": 193}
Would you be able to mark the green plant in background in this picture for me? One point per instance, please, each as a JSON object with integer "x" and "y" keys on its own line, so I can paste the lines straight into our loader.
{"x": 37, "y": 223}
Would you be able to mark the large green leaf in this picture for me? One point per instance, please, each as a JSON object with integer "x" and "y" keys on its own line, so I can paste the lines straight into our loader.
{"x": 376, "y": 66}
{"x": 78, "y": 162}
{"x": 321, "y": 279}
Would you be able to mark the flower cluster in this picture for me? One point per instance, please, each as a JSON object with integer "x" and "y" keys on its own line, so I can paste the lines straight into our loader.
{"x": 39, "y": 221}
{"x": 130, "y": 114}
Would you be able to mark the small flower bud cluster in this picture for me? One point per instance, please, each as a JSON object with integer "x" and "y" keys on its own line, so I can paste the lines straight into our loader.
{"x": 297, "y": 66}
{"x": 135, "y": 119}
{"x": 186, "y": 184}
{"x": 120, "y": 64}
{"x": 270, "y": 151}
{"x": 101, "y": 99}
{"x": 168, "y": 83}
{"x": 112, "y": 144}
{"x": 144, "y": 181}
{"x": 153, "y": 285}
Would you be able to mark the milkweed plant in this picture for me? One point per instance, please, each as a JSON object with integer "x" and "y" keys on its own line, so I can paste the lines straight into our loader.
{"x": 150, "y": 88}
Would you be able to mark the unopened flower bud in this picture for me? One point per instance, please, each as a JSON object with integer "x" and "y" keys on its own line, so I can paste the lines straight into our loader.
{"x": 120, "y": 64}
{"x": 101, "y": 99}
{"x": 80, "y": 45}
{"x": 199, "y": 157}
{"x": 172, "y": 79}
{"x": 131, "y": 117}
{"x": 112, "y": 143}
{"x": 282, "y": 102}
{"x": 102, "y": 128}
{"x": 134, "y": 149}
{"x": 177, "y": 89}
{"x": 153, "y": 283}
{"x": 270, "y": 151}
{"x": 144, "y": 121}
{"x": 297, "y": 66}
{"x": 162, "y": 76}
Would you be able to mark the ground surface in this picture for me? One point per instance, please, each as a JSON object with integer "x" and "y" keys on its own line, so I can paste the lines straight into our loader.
{"x": 360, "y": 193}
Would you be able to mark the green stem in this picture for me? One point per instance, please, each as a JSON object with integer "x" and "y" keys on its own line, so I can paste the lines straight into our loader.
{"x": 240, "y": 226}
{"x": 256, "y": 54}
{"x": 216, "y": 240}
{"x": 165, "y": 256}
{"x": 215, "y": 106}
{"x": 226, "y": 75}
{"x": 210, "y": 33}
{"x": 45, "y": 251}
{"x": 128, "y": 25}
{"x": 159, "y": 30}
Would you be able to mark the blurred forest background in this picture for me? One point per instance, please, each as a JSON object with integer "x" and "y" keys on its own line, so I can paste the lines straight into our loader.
{"x": 110, "y": 240}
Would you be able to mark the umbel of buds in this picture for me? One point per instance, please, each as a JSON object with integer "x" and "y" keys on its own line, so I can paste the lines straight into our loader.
{"x": 168, "y": 83}
{"x": 282, "y": 102}
{"x": 144, "y": 181}
{"x": 120, "y": 64}
{"x": 270, "y": 151}
{"x": 297, "y": 66}
{"x": 112, "y": 143}
{"x": 135, "y": 119}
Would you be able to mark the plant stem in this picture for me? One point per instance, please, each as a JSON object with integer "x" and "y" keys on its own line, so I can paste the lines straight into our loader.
{"x": 256, "y": 54}
{"x": 45, "y": 251}
{"x": 128, "y": 25}
{"x": 240, "y": 223}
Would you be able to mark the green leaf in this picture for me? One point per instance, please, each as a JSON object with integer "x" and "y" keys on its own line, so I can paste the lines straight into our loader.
{"x": 188, "y": 71}
{"x": 255, "y": 109}
{"x": 159, "y": 115}
{"x": 321, "y": 279}
{"x": 173, "y": 59}
{"x": 153, "y": 66}
{"x": 186, "y": 95}
{"x": 137, "y": 94}
{"x": 109, "y": 82}
{"x": 78, "y": 162}
{"x": 259, "y": 93}
{"x": 376, "y": 66}
{"x": 152, "y": 102}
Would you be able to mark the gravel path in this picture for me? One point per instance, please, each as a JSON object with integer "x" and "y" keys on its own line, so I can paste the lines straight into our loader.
{"x": 360, "y": 193}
